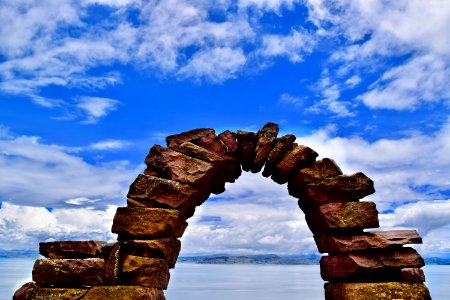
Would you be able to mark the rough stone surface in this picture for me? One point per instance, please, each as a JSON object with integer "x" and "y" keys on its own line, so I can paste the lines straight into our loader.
{"x": 297, "y": 158}
{"x": 32, "y": 291}
{"x": 320, "y": 170}
{"x": 246, "y": 148}
{"x": 413, "y": 275}
{"x": 354, "y": 266}
{"x": 176, "y": 166}
{"x": 329, "y": 243}
{"x": 165, "y": 248}
{"x": 188, "y": 136}
{"x": 376, "y": 291}
{"x": 112, "y": 266}
{"x": 282, "y": 146}
{"x": 144, "y": 271}
{"x": 124, "y": 293}
{"x": 73, "y": 272}
{"x": 71, "y": 249}
{"x": 266, "y": 138}
{"x": 140, "y": 222}
{"x": 154, "y": 192}
{"x": 229, "y": 139}
{"x": 343, "y": 216}
{"x": 336, "y": 189}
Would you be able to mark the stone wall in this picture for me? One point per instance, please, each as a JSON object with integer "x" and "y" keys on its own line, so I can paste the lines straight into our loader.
{"x": 360, "y": 264}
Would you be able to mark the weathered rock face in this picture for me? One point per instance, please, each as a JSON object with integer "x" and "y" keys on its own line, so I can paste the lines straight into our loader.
{"x": 139, "y": 222}
{"x": 33, "y": 291}
{"x": 329, "y": 243}
{"x": 246, "y": 148}
{"x": 264, "y": 145}
{"x": 336, "y": 189}
{"x": 376, "y": 291}
{"x": 230, "y": 141}
{"x": 188, "y": 136}
{"x": 176, "y": 166}
{"x": 112, "y": 266}
{"x": 413, "y": 275}
{"x": 124, "y": 293}
{"x": 320, "y": 170}
{"x": 145, "y": 271}
{"x": 71, "y": 249}
{"x": 78, "y": 272}
{"x": 156, "y": 192}
{"x": 165, "y": 248}
{"x": 353, "y": 266}
{"x": 299, "y": 157}
{"x": 340, "y": 217}
{"x": 282, "y": 146}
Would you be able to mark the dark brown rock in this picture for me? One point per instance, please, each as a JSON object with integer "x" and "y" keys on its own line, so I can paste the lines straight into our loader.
{"x": 281, "y": 148}
{"x": 266, "y": 138}
{"x": 329, "y": 243}
{"x": 246, "y": 148}
{"x": 71, "y": 249}
{"x": 144, "y": 271}
{"x": 165, "y": 248}
{"x": 140, "y": 222}
{"x": 353, "y": 266}
{"x": 413, "y": 275}
{"x": 188, "y": 136}
{"x": 229, "y": 139}
{"x": 376, "y": 291}
{"x": 336, "y": 189}
{"x": 297, "y": 158}
{"x": 32, "y": 291}
{"x": 157, "y": 192}
{"x": 337, "y": 217}
{"x": 176, "y": 166}
{"x": 69, "y": 272}
{"x": 124, "y": 293}
{"x": 320, "y": 170}
{"x": 112, "y": 266}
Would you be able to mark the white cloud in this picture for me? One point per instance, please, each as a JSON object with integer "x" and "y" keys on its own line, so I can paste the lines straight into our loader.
{"x": 217, "y": 65}
{"x": 270, "y": 5}
{"x": 287, "y": 99}
{"x": 95, "y": 108}
{"x": 23, "y": 227}
{"x": 293, "y": 46}
{"x": 109, "y": 145}
{"x": 37, "y": 174}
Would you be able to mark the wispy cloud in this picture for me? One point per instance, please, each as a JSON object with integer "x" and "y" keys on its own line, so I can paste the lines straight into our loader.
{"x": 95, "y": 108}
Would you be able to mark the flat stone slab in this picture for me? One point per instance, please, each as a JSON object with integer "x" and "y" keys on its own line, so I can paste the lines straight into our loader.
{"x": 342, "y": 188}
{"x": 376, "y": 291}
{"x": 71, "y": 249}
{"x": 320, "y": 170}
{"x": 112, "y": 265}
{"x": 144, "y": 271}
{"x": 329, "y": 243}
{"x": 282, "y": 146}
{"x": 353, "y": 266}
{"x": 124, "y": 293}
{"x": 165, "y": 248}
{"x": 141, "y": 222}
{"x": 230, "y": 141}
{"x": 32, "y": 291}
{"x": 299, "y": 157}
{"x": 266, "y": 138}
{"x": 188, "y": 136}
{"x": 155, "y": 192}
{"x": 173, "y": 165}
{"x": 72, "y": 272}
{"x": 340, "y": 217}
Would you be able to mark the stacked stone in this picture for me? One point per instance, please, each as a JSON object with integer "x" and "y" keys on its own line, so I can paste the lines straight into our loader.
{"x": 181, "y": 176}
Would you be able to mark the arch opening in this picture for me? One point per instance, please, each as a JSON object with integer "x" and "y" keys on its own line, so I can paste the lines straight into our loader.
{"x": 359, "y": 264}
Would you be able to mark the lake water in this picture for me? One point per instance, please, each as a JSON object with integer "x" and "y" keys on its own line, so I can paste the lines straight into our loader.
{"x": 237, "y": 282}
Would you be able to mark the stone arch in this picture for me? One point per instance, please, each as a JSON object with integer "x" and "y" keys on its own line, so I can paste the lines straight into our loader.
{"x": 360, "y": 264}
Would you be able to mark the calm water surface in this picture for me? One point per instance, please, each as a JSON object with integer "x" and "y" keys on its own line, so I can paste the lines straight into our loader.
{"x": 237, "y": 282}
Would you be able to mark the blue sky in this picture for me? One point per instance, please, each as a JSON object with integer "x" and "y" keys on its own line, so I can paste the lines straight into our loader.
{"x": 87, "y": 87}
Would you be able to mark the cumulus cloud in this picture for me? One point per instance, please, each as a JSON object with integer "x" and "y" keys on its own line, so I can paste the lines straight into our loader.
{"x": 38, "y": 174}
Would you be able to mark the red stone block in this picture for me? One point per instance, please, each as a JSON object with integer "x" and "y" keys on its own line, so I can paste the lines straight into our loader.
{"x": 71, "y": 249}
{"x": 144, "y": 271}
{"x": 164, "y": 248}
{"x": 281, "y": 148}
{"x": 265, "y": 142}
{"x": 246, "y": 148}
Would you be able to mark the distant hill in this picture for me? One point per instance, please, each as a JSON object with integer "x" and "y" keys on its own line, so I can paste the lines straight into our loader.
{"x": 265, "y": 259}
